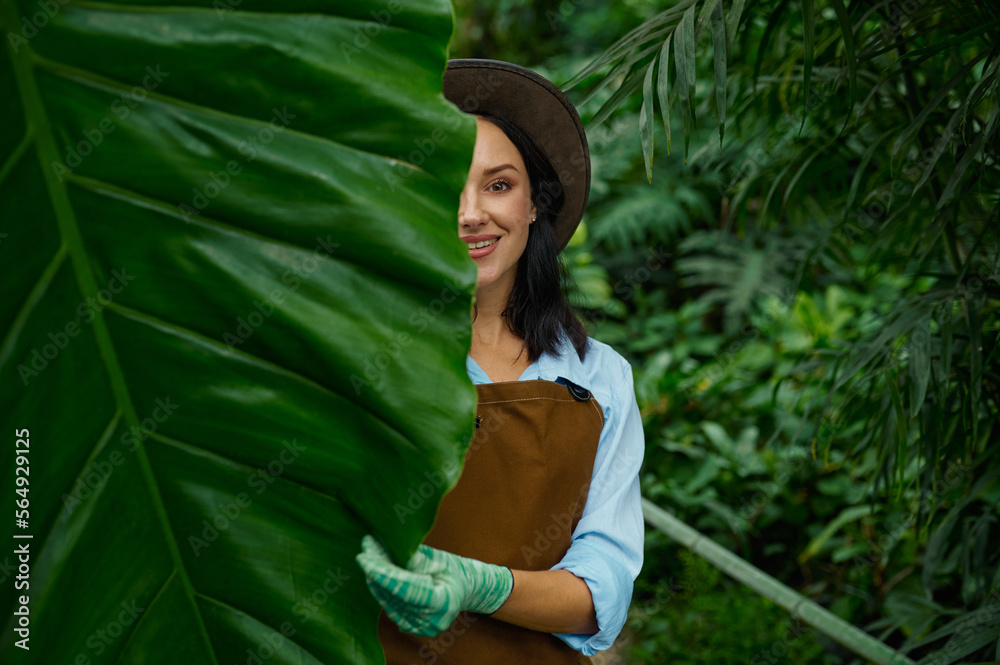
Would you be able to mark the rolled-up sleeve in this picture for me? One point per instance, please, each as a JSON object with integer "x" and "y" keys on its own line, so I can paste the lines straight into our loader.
{"x": 607, "y": 545}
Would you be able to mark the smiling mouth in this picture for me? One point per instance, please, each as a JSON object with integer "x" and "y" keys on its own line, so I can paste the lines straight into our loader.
{"x": 482, "y": 243}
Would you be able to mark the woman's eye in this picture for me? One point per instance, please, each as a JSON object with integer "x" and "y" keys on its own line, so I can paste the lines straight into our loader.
{"x": 499, "y": 186}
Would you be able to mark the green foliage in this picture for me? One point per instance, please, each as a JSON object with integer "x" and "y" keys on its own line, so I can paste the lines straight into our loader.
{"x": 859, "y": 191}
{"x": 707, "y": 618}
{"x": 812, "y": 303}
{"x": 235, "y": 320}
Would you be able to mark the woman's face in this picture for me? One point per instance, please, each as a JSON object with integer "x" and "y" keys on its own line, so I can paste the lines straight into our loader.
{"x": 495, "y": 208}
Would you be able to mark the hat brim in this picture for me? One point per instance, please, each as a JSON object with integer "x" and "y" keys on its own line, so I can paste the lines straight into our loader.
{"x": 539, "y": 108}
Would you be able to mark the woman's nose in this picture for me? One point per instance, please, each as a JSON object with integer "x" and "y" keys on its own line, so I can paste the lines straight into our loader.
{"x": 469, "y": 211}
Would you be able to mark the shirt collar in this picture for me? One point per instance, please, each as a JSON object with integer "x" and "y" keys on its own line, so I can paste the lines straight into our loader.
{"x": 562, "y": 369}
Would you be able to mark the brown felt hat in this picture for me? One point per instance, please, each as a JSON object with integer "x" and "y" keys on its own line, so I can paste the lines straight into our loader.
{"x": 538, "y": 107}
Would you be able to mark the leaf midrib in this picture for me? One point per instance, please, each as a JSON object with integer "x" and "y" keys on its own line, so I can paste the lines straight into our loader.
{"x": 37, "y": 124}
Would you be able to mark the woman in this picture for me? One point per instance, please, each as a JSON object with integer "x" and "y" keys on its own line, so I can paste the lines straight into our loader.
{"x": 534, "y": 552}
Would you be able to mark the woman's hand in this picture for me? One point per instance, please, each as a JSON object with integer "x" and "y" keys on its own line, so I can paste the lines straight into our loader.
{"x": 425, "y": 597}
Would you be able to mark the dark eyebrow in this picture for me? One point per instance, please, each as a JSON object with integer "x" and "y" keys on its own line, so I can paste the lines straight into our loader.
{"x": 497, "y": 169}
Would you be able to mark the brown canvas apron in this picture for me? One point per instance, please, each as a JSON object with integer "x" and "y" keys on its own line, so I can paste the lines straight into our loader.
{"x": 521, "y": 493}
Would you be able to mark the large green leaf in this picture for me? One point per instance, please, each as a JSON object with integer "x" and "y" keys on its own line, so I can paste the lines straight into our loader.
{"x": 236, "y": 317}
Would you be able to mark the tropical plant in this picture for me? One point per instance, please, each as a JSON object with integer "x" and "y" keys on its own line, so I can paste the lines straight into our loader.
{"x": 700, "y": 613}
{"x": 235, "y": 321}
{"x": 866, "y": 135}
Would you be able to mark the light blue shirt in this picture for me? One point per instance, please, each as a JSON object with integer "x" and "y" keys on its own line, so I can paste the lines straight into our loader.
{"x": 606, "y": 550}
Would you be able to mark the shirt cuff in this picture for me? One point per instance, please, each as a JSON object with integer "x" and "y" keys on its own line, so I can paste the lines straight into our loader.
{"x": 610, "y": 583}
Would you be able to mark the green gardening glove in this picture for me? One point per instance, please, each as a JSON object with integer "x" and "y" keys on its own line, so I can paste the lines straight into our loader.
{"x": 425, "y": 597}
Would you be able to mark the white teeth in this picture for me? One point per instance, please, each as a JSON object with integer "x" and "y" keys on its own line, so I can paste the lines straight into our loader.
{"x": 482, "y": 243}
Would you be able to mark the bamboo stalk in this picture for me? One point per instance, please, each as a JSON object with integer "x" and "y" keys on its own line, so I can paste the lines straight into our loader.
{"x": 816, "y": 616}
